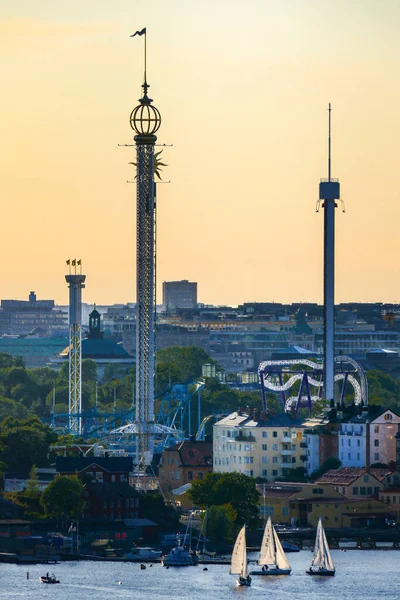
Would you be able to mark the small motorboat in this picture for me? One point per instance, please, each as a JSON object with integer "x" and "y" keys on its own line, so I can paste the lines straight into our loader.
{"x": 49, "y": 578}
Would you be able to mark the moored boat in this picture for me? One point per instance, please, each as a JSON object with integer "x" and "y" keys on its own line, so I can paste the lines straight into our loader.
{"x": 322, "y": 564}
{"x": 239, "y": 560}
{"x": 272, "y": 558}
{"x": 143, "y": 553}
{"x": 179, "y": 557}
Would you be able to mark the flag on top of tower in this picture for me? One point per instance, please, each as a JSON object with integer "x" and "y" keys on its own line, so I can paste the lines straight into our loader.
{"x": 68, "y": 262}
{"x": 74, "y": 262}
{"x": 141, "y": 32}
{"x": 79, "y": 262}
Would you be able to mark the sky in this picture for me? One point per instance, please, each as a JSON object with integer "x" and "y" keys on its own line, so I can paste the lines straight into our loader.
{"x": 243, "y": 89}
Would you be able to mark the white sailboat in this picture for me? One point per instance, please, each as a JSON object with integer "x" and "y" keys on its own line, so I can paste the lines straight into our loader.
{"x": 239, "y": 559}
{"x": 322, "y": 563}
{"x": 272, "y": 558}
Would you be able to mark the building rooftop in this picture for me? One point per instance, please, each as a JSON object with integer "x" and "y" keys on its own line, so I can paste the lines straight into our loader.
{"x": 347, "y": 475}
{"x": 193, "y": 454}
{"x": 256, "y": 418}
{"x": 77, "y": 464}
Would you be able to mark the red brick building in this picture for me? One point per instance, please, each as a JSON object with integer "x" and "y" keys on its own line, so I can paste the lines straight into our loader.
{"x": 107, "y": 493}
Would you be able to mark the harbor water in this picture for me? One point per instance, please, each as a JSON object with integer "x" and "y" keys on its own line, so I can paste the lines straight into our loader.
{"x": 372, "y": 574}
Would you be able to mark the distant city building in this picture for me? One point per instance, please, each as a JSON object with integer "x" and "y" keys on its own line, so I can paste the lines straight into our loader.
{"x": 21, "y": 317}
{"x": 179, "y": 294}
{"x": 34, "y": 350}
{"x": 101, "y": 350}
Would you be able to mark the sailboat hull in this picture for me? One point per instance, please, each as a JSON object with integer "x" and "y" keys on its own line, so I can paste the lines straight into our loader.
{"x": 272, "y": 572}
{"x": 322, "y": 573}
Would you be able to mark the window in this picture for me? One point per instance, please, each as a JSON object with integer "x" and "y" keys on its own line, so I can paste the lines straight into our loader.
{"x": 178, "y": 474}
{"x": 366, "y": 478}
{"x": 264, "y": 472}
{"x": 376, "y": 429}
{"x": 274, "y": 434}
{"x": 358, "y": 456}
{"x": 265, "y": 434}
{"x": 293, "y": 459}
{"x": 265, "y": 446}
{"x": 264, "y": 460}
{"x": 248, "y": 460}
{"x": 199, "y": 475}
{"x": 376, "y": 490}
{"x": 343, "y": 490}
{"x": 358, "y": 443}
{"x": 190, "y": 475}
{"x": 369, "y": 490}
{"x": 355, "y": 491}
{"x": 388, "y": 417}
{"x": 376, "y": 443}
{"x": 362, "y": 491}
{"x": 349, "y": 442}
{"x": 342, "y": 442}
{"x": 274, "y": 446}
{"x": 348, "y": 455}
{"x": 293, "y": 446}
{"x": 285, "y": 434}
{"x": 113, "y": 478}
{"x": 394, "y": 499}
{"x": 285, "y": 511}
{"x": 274, "y": 459}
{"x": 275, "y": 473}
{"x": 376, "y": 456}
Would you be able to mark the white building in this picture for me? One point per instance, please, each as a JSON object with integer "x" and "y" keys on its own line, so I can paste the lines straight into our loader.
{"x": 258, "y": 444}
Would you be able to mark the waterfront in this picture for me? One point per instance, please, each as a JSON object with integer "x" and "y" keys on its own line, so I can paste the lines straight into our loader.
{"x": 374, "y": 573}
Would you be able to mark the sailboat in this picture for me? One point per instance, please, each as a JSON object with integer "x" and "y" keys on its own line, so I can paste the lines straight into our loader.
{"x": 239, "y": 559}
{"x": 322, "y": 563}
{"x": 272, "y": 557}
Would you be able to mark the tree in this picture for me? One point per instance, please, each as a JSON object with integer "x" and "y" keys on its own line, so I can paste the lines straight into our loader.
{"x": 236, "y": 489}
{"x": 89, "y": 370}
{"x": 330, "y": 463}
{"x": 10, "y": 408}
{"x": 220, "y": 524}
{"x": 63, "y": 497}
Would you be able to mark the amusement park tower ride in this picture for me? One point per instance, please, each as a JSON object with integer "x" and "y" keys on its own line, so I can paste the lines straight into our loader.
{"x": 329, "y": 192}
{"x": 75, "y": 283}
{"x": 145, "y": 120}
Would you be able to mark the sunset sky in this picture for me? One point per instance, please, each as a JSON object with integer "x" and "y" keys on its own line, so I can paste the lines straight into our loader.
{"x": 243, "y": 89}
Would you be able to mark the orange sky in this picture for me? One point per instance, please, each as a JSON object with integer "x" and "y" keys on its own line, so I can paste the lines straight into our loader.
{"x": 243, "y": 89}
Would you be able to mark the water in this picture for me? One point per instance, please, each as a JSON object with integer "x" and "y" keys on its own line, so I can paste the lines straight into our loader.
{"x": 373, "y": 574}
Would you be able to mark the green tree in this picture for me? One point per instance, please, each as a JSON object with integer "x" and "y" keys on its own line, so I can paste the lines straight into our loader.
{"x": 63, "y": 497}
{"x": 236, "y": 489}
{"x": 10, "y": 408}
{"x": 89, "y": 370}
{"x": 330, "y": 463}
{"x": 6, "y": 360}
{"x": 220, "y": 523}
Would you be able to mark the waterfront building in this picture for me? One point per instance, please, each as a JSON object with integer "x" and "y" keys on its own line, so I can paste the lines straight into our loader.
{"x": 355, "y": 482}
{"x": 107, "y": 493}
{"x": 259, "y": 444}
{"x": 183, "y": 463}
{"x": 302, "y": 504}
{"x": 179, "y": 294}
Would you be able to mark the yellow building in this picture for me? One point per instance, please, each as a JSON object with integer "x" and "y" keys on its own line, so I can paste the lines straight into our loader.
{"x": 303, "y": 505}
{"x": 258, "y": 444}
{"x": 356, "y": 482}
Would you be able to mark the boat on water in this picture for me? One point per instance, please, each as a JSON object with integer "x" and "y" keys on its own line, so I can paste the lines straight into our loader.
{"x": 49, "y": 578}
{"x": 288, "y": 547}
{"x": 239, "y": 560}
{"x": 180, "y": 557}
{"x": 272, "y": 558}
{"x": 322, "y": 564}
{"x": 143, "y": 553}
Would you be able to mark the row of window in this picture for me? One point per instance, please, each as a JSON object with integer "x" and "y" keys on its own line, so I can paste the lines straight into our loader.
{"x": 232, "y": 433}
{"x": 125, "y": 515}
{"x": 129, "y": 502}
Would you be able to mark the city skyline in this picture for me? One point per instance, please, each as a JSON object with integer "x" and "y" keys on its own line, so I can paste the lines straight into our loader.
{"x": 242, "y": 90}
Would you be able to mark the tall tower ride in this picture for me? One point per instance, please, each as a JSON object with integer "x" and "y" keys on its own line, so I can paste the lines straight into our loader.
{"x": 145, "y": 121}
{"x": 76, "y": 283}
{"x": 329, "y": 192}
